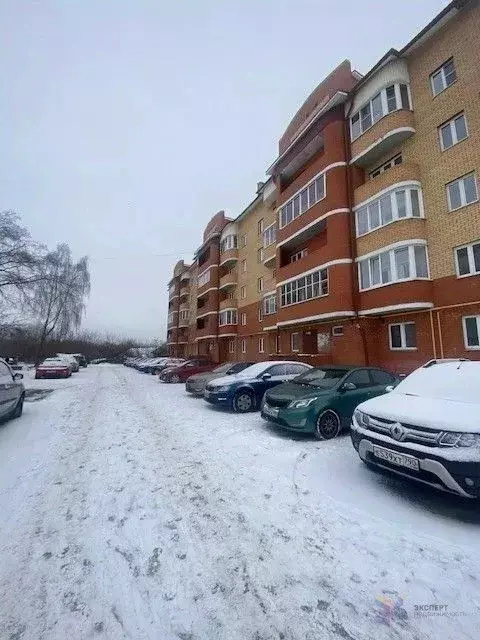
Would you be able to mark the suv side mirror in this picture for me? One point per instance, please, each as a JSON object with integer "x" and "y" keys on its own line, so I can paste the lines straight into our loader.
{"x": 349, "y": 386}
{"x": 267, "y": 376}
{"x": 389, "y": 388}
{"x": 18, "y": 376}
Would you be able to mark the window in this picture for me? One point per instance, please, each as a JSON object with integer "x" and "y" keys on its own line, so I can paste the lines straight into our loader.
{"x": 261, "y": 345}
{"x": 307, "y": 287}
{"x": 453, "y": 132}
{"x": 203, "y": 278}
{"x": 184, "y": 314}
{"x": 337, "y": 331}
{"x": 244, "y": 266}
{"x": 387, "y": 165}
{"x": 403, "y": 336}
{"x": 299, "y": 255}
{"x": 260, "y": 255}
{"x": 260, "y": 227}
{"x": 360, "y": 378}
{"x": 260, "y": 313}
{"x": 295, "y": 341}
{"x": 244, "y": 319}
{"x": 269, "y": 235}
{"x": 231, "y": 346}
{"x": 296, "y": 369}
{"x": 259, "y": 285}
{"x": 230, "y": 242}
{"x": 277, "y": 370}
{"x": 243, "y": 292}
{"x": 471, "y": 332}
{"x": 244, "y": 240}
{"x": 403, "y": 263}
{"x": 405, "y": 202}
{"x": 310, "y": 195}
{"x": 171, "y": 317}
{"x": 467, "y": 260}
{"x": 462, "y": 191}
{"x": 443, "y": 77}
{"x": 270, "y": 304}
{"x": 381, "y": 377}
{"x": 392, "y": 98}
{"x": 229, "y": 316}
{"x": 244, "y": 346}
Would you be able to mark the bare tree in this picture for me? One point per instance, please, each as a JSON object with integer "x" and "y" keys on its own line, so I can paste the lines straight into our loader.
{"x": 60, "y": 295}
{"x": 20, "y": 259}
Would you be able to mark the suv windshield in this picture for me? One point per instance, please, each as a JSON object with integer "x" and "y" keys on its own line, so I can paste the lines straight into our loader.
{"x": 323, "y": 378}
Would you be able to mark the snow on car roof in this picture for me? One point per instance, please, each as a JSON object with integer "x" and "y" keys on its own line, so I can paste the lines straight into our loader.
{"x": 257, "y": 368}
{"x": 457, "y": 380}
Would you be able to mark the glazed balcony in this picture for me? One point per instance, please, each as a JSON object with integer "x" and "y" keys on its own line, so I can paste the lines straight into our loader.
{"x": 210, "y": 285}
{"x": 398, "y": 173}
{"x": 384, "y": 136}
{"x": 229, "y": 280}
{"x": 183, "y": 322}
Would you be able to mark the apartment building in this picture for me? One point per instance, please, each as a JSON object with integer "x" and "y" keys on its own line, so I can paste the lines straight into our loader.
{"x": 363, "y": 246}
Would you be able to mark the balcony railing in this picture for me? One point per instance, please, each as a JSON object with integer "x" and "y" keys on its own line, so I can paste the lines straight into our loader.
{"x": 386, "y": 134}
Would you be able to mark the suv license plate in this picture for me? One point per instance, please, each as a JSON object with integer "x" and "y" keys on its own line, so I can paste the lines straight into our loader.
{"x": 399, "y": 459}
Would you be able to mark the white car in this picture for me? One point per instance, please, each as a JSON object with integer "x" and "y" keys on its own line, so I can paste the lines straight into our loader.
{"x": 427, "y": 428}
{"x": 70, "y": 358}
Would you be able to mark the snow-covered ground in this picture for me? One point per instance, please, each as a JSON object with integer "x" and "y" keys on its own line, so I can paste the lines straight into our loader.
{"x": 129, "y": 510}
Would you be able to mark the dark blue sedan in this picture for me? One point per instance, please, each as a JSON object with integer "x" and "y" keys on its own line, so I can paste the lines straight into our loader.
{"x": 244, "y": 391}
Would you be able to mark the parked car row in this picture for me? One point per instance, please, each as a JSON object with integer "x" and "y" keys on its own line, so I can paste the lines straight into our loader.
{"x": 60, "y": 366}
{"x": 425, "y": 427}
{"x": 153, "y": 366}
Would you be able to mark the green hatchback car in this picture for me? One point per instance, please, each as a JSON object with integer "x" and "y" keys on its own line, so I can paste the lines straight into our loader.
{"x": 322, "y": 400}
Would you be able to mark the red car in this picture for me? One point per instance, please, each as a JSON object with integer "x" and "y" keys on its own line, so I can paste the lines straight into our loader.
{"x": 52, "y": 368}
{"x": 187, "y": 369}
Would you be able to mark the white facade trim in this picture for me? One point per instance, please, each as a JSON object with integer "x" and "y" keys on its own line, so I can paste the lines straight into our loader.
{"x": 229, "y": 259}
{"x": 317, "y": 268}
{"x": 270, "y": 293}
{"x": 312, "y": 224}
{"x": 199, "y": 275}
{"x": 270, "y": 328}
{"x": 321, "y": 316}
{"x": 206, "y": 291}
{"x": 395, "y": 245}
{"x": 390, "y": 133}
{"x": 209, "y": 313}
{"x": 406, "y": 306}
{"x": 392, "y": 187}
{"x": 227, "y": 309}
{"x": 213, "y": 335}
{"x": 227, "y": 335}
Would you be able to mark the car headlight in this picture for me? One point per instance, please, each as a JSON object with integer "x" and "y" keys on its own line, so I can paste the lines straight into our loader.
{"x": 363, "y": 419}
{"x": 452, "y": 439}
{"x": 221, "y": 389}
{"x": 301, "y": 404}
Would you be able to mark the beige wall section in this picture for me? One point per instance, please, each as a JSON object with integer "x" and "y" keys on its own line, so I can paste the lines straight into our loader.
{"x": 460, "y": 38}
{"x": 249, "y": 225}
{"x": 193, "y": 294}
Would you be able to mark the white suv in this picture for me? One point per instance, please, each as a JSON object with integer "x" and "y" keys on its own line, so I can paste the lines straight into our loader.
{"x": 427, "y": 428}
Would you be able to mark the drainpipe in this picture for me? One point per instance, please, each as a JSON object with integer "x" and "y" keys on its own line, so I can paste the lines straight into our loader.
{"x": 352, "y": 238}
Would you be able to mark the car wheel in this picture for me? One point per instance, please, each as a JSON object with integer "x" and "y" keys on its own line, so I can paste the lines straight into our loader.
{"x": 243, "y": 402}
{"x": 174, "y": 378}
{"x": 327, "y": 425}
{"x": 17, "y": 412}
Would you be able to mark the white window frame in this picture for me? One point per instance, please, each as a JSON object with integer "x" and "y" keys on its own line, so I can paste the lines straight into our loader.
{"x": 243, "y": 318}
{"x": 389, "y": 164}
{"x": 203, "y": 278}
{"x": 270, "y": 304}
{"x": 338, "y": 330}
{"x": 407, "y": 188}
{"x": 464, "y": 325}
{"x": 384, "y": 102}
{"x": 260, "y": 224}
{"x": 403, "y": 339}
{"x": 463, "y": 198}
{"x": 295, "y": 257}
{"x": 269, "y": 235}
{"x": 228, "y": 243}
{"x": 184, "y": 314}
{"x": 260, "y": 255}
{"x": 244, "y": 266}
{"x": 171, "y": 317}
{"x": 293, "y": 340}
{"x": 453, "y": 130}
{"x": 260, "y": 313}
{"x": 300, "y": 197}
{"x": 393, "y": 267}
{"x": 261, "y": 345}
{"x": 231, "y": 346}
{"x": 227, "y": 317}
{"x": 471, "y": 260}
{"x": 244, "y": 240}
{"x": 260, "y": 284}
{"x": 441, "y": 70}
{"x": 291, "y": 289}
{"x": 278, "y": 344}
{"x": 243, "y": 292}
{"x": 244, "y": 346}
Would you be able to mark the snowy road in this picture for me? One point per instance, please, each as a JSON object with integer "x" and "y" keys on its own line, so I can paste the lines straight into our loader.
{"x": 129, "y": 510}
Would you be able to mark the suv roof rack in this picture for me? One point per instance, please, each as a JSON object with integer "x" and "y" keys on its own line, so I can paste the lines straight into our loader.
{"x": 430, "y": 363}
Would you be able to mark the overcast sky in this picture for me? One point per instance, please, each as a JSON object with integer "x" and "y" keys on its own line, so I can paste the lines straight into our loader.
{"x": 126, "y": 124}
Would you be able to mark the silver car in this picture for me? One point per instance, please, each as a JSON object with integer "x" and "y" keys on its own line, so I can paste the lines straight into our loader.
{"x": 12, "y": 392}
{"x": 196, "y": 384}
